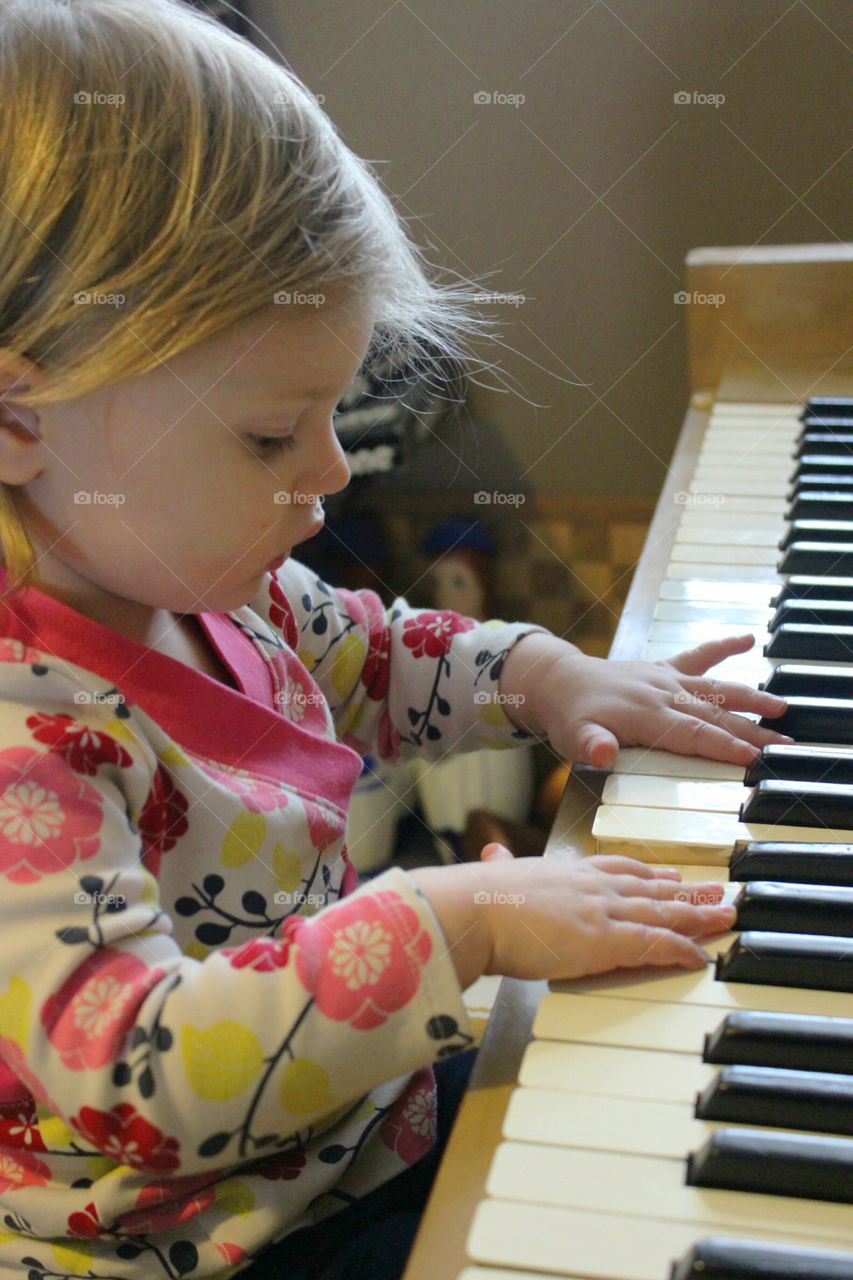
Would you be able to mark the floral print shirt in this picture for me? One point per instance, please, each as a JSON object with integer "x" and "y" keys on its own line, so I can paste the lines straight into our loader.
{"x": 210, "y": 1036}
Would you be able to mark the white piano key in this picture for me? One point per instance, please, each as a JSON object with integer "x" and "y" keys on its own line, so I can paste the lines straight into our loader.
{"x": 668, "y": 764}
{"x": 707, "y": 572}
{"x": 674, "y": 793}
{"x": 652, "y": 1187}
{"x": 638, "y": 1126}
{"x": 689, "y": 835}
{"x": 624, "y": 1073}
{"x": 693, "y": 633}
{"x": 763, "y": 487}
{"x": 708, "y": 611}
{"x": 678, "y": 985}
{"x": 711, "y": 472}
{"x": 595, "y": 1245}
{"x": 488, "y": 1273}
{"x": 717, "y": 515}
{"x": 719, "y": 591}
{"x": 728, "y": 535}
{"x": 746, "y": 504}
{"x": 611, "y": 1021}
{"x": 746, "y": 410}
{"x": 756, "y": 557}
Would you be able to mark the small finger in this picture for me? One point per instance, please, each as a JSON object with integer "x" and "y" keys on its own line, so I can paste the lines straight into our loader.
{"x": 597, "y": 746}
{"x": 494, "y": 852}
{"x": 683, "y": 917}
{"x": 735, "y": 697}
{"x": 695, "y": 662}
{"x": 693, "y": 736}
{"x": 636, "y": 945}
{"x": 616, "y": 863}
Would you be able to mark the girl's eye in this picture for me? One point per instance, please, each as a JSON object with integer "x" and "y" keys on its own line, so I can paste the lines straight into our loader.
{"x": 269, "y": 445}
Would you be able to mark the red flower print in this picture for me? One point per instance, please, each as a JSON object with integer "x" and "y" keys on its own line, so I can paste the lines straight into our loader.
{"x": 409, "y": 1128}
{"x": 16, "y": 651}
{"x": 163, "y": 819}
{"x": 349, "y": 880}
{"x": 13, "y": 1057}
{"x": 257, "y": 794}
{"x": 287, "y": 1165}
{"x": 232, "y": 1253}
{"x": 388, "y": 741}
{"x": 264, "y": 955}
{"x": 281, "y": 614}
{"x": 19, "y": 1127}
{"x": 82, "y": 747}
{"x": 20, "y": 1169}
{"x": 377, "y": 665}
{"x": 431, "y": 633}
{"x": 88, "y": 1018}
{"x": 123, "y": 1135}
{"x": 324, "y": 826}
{"x": 86, "y": 1223}
{"x": 49, "y": 816}
{"x": 169, "y": 1202}
{"x": 359, "y": 965}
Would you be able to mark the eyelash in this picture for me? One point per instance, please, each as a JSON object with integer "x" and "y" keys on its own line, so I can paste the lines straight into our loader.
{"x": 270, "y": 445}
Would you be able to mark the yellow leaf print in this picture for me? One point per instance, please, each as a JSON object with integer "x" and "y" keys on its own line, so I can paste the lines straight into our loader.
{"x": 233, "y": 1196}
{"x": 53, "y": 1129}
{"x": 99, "y": 1167}
{"x": 349, "y": 722}
{"x": 491, "y": 744}
{"x": 150, "y": 889}
{"x": 221, "y": 1061}
{"x": 492, "y": 713}
{"x": 75, "y": 1258}
{"x": 244, "y": 839}
{"x": 349, "y": 660}
{"x": 15, "y": 1012}
{"x": 286, "y": 867}
{"x": 307, "y": 659}
{"x": 305, "y": 1088}
{"x": 172, "y": 755}
{"x": 197, "y": 950}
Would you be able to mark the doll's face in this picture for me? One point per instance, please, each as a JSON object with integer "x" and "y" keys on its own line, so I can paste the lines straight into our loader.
{"x": 458, "y": 586}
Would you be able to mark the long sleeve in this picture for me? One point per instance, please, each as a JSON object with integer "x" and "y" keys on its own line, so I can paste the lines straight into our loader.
{"x": 401, "y": 682}
{"x": 158, "y": 1060}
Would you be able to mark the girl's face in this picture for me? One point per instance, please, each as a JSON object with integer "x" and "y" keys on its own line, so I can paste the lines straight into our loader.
{"x": 178, "y": 488}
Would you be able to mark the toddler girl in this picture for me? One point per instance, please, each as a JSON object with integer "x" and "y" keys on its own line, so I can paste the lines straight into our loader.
{"x": 216, "y": 1051}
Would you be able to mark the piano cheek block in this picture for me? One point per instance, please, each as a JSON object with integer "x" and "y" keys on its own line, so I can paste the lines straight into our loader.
{"x": 788, "y": 960}
{"x": 724, "y": 1259}
{"x": 775, "y": 1164}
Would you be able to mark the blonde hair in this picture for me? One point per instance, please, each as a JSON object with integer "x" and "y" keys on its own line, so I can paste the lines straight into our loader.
{"x": 199, "y": 179}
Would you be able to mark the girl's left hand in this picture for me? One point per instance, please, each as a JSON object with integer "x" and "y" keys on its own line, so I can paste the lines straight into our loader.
{"x": 592, "y": 706}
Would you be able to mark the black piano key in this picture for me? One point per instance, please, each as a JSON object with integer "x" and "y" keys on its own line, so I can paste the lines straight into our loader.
{"x": 814, "y": 612}
{"x": 800, "y": 586}
{"x": 782, "y": 907}
{"x": 814, "y": 464}
{"x": 801, "y": 763}
{"x": 820, "y": 504}
{"x": 836, "y": 406}
{"x": 799, "y": 804}
{"x": 792, "y": 862}
{"x": 721, "y": 1258}
{"x": 814, "y": 962}
{"x": 795, "y": 1040}
{"x": 837, "y": 481}
{"x": 829, "y": 423}
{"x": 817, "y": 531}
{"x": 815, "y": 720}
{"x": 813, "y": 1100}
{"x": 818, "y": 642}
{"x": 776, "y": 1164}
{"x": 798, "y": 680}
{"x": 828, "y": 443}
{"x": 834, "y": 559}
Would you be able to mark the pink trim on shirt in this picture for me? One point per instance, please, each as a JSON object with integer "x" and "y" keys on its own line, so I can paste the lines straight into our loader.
{"x": 238, "y": 727}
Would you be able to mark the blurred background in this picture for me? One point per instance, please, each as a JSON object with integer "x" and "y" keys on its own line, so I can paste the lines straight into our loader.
{"x": 572, "y": 151}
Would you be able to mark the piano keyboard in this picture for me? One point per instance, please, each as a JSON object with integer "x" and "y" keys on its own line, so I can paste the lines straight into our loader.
{"x": 675, "y": 1125}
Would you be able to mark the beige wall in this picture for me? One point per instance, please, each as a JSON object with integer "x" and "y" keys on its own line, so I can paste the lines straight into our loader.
{"x": 510, "y": 188}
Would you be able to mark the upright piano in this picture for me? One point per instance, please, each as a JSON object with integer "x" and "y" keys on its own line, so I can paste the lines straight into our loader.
{"x": 665, "y": 1125}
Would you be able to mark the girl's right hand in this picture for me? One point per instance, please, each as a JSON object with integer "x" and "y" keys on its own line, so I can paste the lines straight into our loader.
{"x": 552, "y": 918}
